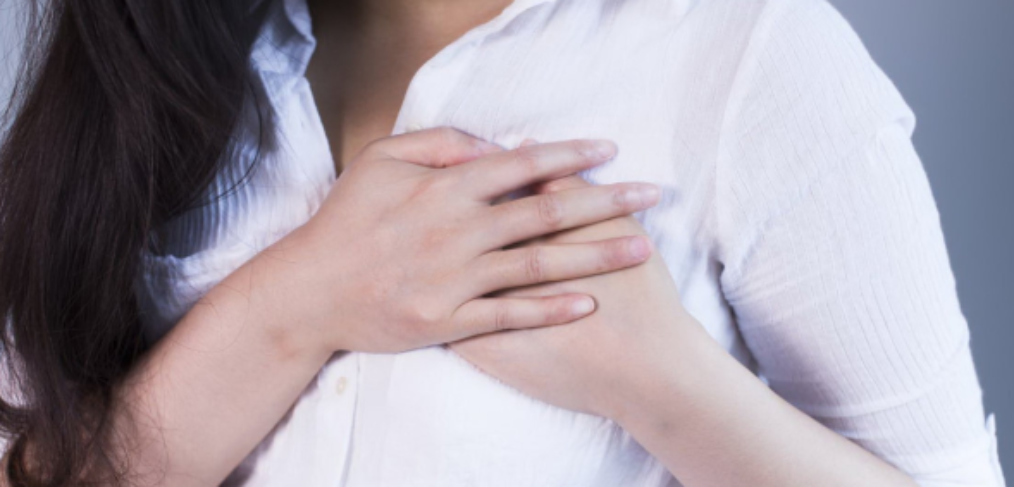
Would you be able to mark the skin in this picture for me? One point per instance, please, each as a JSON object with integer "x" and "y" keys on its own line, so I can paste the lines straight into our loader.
{"x": 644, "y": 362}
{"x": 434, "y": 261}
{"x": 367, "y": 53}
{"x": 365, "y": 274}
{"x": 640, "y": 359}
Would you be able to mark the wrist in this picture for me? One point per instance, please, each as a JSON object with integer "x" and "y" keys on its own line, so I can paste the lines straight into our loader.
{"x": 666, "y": 392}
{"x": 284, "y": 297}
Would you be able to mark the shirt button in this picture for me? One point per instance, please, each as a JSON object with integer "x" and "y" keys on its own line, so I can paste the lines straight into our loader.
{"x": 340, "y": 385}
{"x": 413, "y": 127}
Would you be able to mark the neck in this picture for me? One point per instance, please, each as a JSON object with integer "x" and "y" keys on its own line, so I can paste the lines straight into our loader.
{"x": 434, "y": 19}
{"x": 367, "y": 52}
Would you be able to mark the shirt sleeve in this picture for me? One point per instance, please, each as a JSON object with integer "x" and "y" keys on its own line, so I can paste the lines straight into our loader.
{"x": 833, "y": 258}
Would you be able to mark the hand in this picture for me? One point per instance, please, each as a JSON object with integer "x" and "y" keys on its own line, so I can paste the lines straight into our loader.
{"x": 644, "y": 362}
{"x": 593, "y": 364}
{"x": 407, "y": 245}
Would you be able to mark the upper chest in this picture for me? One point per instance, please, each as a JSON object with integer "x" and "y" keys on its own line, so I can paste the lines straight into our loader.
{"x": 633, "y": 75}
{"x": 658, "y": 91}
{"x": 361, "y": 67}
{"x": 639, "y": 72}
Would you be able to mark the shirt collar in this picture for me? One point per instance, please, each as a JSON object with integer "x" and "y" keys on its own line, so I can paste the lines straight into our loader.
{"x": 289, "y": 29}
{"x": 297, "y": 14}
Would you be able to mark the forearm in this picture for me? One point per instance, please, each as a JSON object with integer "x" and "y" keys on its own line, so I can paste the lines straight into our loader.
{"x": 213, "y": 388}
{"x": 712, "y": 422}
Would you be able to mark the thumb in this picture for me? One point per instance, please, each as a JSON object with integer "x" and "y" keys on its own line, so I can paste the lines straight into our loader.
{"x": 437, "y": 147}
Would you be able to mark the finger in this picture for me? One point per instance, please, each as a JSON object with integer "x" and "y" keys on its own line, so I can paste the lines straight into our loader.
{"x": 567, "y": 182}
{"x": 503, "y": 172}
{"x": 556, "y": 185}
{"x": 435, "y": 147}
{"x": 549, "y": 263}
{"x": 561, "y": 184}
{"x": 534, "y": 216}
{"x": 488, "y": 315}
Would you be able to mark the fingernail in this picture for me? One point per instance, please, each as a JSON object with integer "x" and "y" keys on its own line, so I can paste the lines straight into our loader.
{"x": 638, "y": 197}
{"x": 648, "y": 194}
{"x": 639, "y": 248}
{"x": 583, "y": 306}
{"x": 602, "y": 150}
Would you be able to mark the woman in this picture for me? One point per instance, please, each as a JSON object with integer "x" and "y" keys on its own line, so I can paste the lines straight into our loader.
{"x": 194, "y": 297}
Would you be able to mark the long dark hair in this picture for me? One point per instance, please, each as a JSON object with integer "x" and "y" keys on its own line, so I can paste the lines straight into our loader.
{"x": 121, "y": 117}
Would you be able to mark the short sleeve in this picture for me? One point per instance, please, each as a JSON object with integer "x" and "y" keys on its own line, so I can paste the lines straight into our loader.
{"x": 833, "y": 257}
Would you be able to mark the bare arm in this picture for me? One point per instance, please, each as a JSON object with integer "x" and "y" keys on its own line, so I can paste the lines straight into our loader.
{"x": 654, "y": 369}
{"x": 834, "y": 263}
{"x": 849, "y": 308}
{"x": 214, "y": 387}
{"x": 713, "y": 423}
{"x": 367, "y": 273}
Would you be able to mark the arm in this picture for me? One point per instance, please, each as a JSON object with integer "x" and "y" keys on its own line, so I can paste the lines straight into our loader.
{"x": 835, "y": 266}
{"x": 656, "y": 371}
{"x": 716, "y": 424}
{"x": 653, "y": 369}
{"x": 858, "y": 327}
{"x": 203, "y": 395}
{"x": 362, "y": 275}
{"x": 215, "y": 386}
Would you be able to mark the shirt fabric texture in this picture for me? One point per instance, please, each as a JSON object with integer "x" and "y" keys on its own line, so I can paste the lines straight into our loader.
{"x": 796, "y": 220}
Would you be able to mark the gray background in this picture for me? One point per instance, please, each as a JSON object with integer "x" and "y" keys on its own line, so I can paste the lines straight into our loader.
{"x": 954, "y": 62}
{"x": 8, "y": 49}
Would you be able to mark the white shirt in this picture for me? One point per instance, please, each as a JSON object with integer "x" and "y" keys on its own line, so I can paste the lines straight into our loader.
{"x": 796, "y": 220}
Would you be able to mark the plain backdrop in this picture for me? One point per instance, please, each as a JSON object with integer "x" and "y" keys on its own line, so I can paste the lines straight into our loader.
{"x": 954, "y": 62}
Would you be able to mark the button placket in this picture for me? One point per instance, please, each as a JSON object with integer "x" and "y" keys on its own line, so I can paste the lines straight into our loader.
{"x": 340, "y": 385}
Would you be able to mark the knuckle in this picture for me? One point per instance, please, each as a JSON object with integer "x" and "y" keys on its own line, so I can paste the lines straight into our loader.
{"x": 559, "y": 312}
{"x": 623, "y": 198}
{"x": 551, "y": 187}
{"x": 556, "y": 185}
{"x": 527, "y": 159}
{"x": 550, "y": 210}
{"x": 614, "y": 253}
{"x": 501, "y": 316}
{"x": 535, "y": 265}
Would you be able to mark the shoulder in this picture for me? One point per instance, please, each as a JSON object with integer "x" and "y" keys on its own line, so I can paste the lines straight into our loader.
{"x": 806, "y": 48}
{"x": 807, "y": 101}
{"x": 763, "y": 15}
{"x": 781, "y": 68}
{"x": 786, "y": 52}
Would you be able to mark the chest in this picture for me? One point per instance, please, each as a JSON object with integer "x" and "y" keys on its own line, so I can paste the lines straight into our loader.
{"x": 368, "y": 417}
{"x": 373, "y": 415}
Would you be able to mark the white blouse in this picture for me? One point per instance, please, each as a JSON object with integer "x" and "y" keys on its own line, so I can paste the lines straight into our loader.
{"x": 796, "y": 219}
